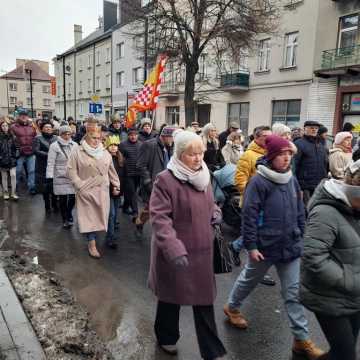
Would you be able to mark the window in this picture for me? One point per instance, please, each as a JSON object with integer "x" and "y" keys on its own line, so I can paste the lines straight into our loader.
{"x": 58, "y": 90}
{"x": 348, "y": 31}
{"x": 80, "y": 64}
{"x": 239, "y": 112}
{"x": 46, "y": 89}
{"x": 28, "y": 101}
{"x": 98, "y": 62}
{"x": 12, "y": 86}
{"x": 145, "y": 2}
{"x": 89, "y": 61}
{"x": 120, "y": 78}
{"x": 69, "y": 88}
{"x": 97, "y": 83}
{"x": 80, "y": 87}
{"x": 138, "y": 42}
{"x": 13, "y": 100}
{"x": 172, "y": 115}
{"x": 108, "y": 81}
{"x": 264, "y": 55}
{"x": 286, "y": 112}
{"x": 108, "y": 55}
{"x": 81, "y": 108}
{"x": 203, "y": 67}
{"x": 120, "y": 50}
{"x": 28, "y": 88}
{"x": 46, "y": 102}
{"x": 137, "y": 75}
{"x": 291, "y": 44}
{"x": 89, "y": 85}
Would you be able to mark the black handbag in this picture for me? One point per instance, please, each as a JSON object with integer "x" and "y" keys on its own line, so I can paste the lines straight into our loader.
{"x": 222, "y": 258}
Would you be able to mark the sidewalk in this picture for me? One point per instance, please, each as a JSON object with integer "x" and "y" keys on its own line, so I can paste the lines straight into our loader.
{"x": 18, "y": 340}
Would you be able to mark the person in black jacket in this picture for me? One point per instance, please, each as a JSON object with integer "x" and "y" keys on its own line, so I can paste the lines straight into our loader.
{"x": 146, "y": 132}
{"x": 117, "y": 128}
{"x": 153, "y": 159}
{"x": 212, "y": 156}
{"x": 8, "y": 155}
{"x": 233, "y": 127}
{"x": 130, "y": 150}
{"x": 41, "y": 147}
{"x": 311, "y": 160}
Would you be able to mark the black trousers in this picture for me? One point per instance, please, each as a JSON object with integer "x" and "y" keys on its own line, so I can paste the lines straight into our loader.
{"x": 341, "y": 334}
{"x": 130, "y": 193}
{"x": 51, "y": 201}
{"x": 67, "y": 203}
{"x": 167, "y": 328}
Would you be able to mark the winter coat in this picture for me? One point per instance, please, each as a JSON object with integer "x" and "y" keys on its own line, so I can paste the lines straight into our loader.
{"x": 181, "y": 222}
{"x": 24, "y": 135}
{"x": 223, "y": 138}
{"x": 223, "y": 178}
{"x": 311, "y": 162}
{"x": 338, "y": 160}
{"x": 8, "y": 151}
{"x": 273, "y": 217}
{"x": 330, "y": 271}
{"x": 246, "y": 166}
{"x": 41, "y": 148}
{"x": 144, "y": 136}
{"x": 91, "y": 179}
{"x": 151, "y": 161}
{"x": 120, "y": 133}
{"x": 131, "y": 152}
{"x": 56, "y": 169}
{"x": 118, "y": 162}
{"x": 213, "y": 157}
{"x": 232, "y": 153}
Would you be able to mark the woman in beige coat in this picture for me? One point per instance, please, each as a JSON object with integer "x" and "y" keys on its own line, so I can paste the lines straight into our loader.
{"x": 233, "y": 148}
{"x": 340, "y": 155}
{"x": 91, "y": 170}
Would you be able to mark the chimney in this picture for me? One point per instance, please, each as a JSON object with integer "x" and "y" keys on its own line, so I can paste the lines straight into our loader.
{"x": 77, "y": 33}
{"x": 110, "y": 13}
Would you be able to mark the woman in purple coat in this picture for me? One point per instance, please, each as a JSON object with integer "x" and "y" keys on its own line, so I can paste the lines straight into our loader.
{"x": 181, "y": 272}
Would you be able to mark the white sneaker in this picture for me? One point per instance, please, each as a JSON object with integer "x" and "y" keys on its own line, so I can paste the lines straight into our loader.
{"x": 14, "y": 197}
{"x": 6, "y": 196}
{"x": 169, "y": 349}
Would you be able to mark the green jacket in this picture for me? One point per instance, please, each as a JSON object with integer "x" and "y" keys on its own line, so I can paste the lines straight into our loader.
{"x": 330, "y": 272}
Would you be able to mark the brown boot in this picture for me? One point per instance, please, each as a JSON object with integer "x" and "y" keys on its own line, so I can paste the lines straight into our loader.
{"x": 308, "y": 349}
{"x": 236, "y": 318}
{"x": 93, "y": 252}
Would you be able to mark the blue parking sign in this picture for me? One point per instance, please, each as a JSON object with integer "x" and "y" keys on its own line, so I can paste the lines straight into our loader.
{"x": 95, "y": 108}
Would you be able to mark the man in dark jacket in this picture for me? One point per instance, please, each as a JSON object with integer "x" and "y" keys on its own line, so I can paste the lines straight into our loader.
{"x": 146, "y": 132}
{"x": 130, "y": 149}
{"x": 224, "y": 135}
{"x": 311, "y": 160}
{"x": 154, "y": 157}
{"x": 25, "y": 133}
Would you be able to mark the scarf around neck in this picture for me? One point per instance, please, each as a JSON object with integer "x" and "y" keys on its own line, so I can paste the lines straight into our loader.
{"x": 274, "y": 176}
{"x": 95, "y": 153}
{"x": 200, "y": 179}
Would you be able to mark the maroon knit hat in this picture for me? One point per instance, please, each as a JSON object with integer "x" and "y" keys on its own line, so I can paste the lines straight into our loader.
{"x": 275, "y": 145}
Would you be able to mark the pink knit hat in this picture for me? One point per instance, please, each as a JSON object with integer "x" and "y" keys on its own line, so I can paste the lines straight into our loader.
{"x": 275, "y": 145}
{"x": 341, "y": 136}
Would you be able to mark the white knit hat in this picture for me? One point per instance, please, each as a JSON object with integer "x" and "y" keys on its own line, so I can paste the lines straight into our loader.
{"x": 182, "y": 139}
{"x": 280, "y": 129}
{"x": 341, "y": 136}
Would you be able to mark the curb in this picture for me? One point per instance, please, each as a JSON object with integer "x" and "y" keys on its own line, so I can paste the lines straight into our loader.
{"x": 18, "y": 340}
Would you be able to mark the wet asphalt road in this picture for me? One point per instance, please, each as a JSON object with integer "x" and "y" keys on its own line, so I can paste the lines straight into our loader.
{"x": 122, "y": 308}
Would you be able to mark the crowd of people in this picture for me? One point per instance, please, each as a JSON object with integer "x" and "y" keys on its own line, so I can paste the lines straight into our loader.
{"x": 297, "y": 193}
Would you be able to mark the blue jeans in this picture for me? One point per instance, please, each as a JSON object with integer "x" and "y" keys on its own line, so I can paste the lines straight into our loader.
{"x": 114, "y": 207}
{"x": 29, "y": 162}
{"x": 289, "y": 274}
{"x": 238, "y": 244}
{"x": 90, "y": 236}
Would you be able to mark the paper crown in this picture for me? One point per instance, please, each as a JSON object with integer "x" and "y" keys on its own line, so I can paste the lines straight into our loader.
{"x": 112, "y": 140}
{"x": 93, "y": 128}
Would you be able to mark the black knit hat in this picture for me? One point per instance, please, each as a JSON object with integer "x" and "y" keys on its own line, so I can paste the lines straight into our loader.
{"x": 322, "y": 130}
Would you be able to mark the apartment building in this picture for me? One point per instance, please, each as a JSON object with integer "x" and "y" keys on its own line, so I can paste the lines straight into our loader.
{"x": 16, "y": 89}
{"x": 83, "y": 73}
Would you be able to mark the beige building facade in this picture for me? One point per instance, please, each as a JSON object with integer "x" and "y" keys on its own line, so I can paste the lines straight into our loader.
{"x": 15, "y": 89}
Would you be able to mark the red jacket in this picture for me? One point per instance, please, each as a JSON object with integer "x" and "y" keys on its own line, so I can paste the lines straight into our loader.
{"x": 24, "y": 135}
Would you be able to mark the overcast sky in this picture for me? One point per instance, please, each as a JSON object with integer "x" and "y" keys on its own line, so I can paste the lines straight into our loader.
{"x": 40, "y": 29}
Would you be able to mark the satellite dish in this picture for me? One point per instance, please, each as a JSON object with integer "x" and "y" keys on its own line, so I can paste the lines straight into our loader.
{"x": 68, "y": 68}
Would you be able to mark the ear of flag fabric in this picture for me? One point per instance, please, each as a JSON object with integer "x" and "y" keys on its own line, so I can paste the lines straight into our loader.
{"x": 148, "y": 96}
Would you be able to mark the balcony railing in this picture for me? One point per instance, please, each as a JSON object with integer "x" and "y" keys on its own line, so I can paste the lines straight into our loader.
{"x": 341, "y": 57}
{"x": 235, "y": 80}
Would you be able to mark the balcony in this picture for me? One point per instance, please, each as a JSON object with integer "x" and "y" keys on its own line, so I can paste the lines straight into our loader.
{"x": 235, "y": 82}
{"x": 170, "y": 90}
{"x": 340, "y": 61}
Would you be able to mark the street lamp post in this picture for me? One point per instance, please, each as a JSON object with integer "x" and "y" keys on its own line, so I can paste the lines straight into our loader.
{"x": 66, "y": 71}
{"x": 29, "y": 71}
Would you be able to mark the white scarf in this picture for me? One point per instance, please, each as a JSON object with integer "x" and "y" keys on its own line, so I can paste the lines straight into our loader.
{"x": 96, "y": 153}
{"x": 274, "y": 176}
{"x": 200, "y": 179}
{"x": 341, "y": 191}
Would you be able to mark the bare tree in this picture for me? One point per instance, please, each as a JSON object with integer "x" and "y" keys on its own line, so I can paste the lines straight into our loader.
{"x": 185, "y": 29}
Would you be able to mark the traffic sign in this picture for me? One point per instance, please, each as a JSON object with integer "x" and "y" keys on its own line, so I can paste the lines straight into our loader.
{"x": 95, "y": 108}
